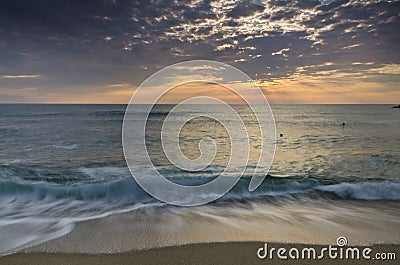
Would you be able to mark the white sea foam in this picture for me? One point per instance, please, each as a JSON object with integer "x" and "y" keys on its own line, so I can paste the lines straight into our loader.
{"x": 66, "y": 147}
{"x": 379, "y": 190}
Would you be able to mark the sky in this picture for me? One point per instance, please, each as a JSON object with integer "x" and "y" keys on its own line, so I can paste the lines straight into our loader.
{"x": 300, "y": 51}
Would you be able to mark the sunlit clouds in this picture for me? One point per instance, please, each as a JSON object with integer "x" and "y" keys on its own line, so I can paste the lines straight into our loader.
{"x": 300, "y": 51}
{"x": 19, "y": 76}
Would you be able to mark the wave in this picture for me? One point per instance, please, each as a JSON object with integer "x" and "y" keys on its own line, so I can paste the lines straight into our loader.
{"x": 127, "y": 192}
{"x": 108, "y": 113}
{"x": 376, "y": 190}
{"x": 40, "y": 211}
{"x": 48, "y": 114}
{"x": 66, "y": 147}
{"x": 295, "y": 187}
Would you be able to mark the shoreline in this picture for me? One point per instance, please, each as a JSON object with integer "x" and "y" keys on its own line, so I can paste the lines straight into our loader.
{"x": 201, "y": 253}
{"x": 296, "y": 223}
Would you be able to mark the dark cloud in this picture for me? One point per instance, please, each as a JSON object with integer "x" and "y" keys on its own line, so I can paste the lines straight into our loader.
{"x": 307, "y": 4}
{"x": 244, "y": 9}
{"x": 333, "y": 5}
{"x": 284, "y": 14}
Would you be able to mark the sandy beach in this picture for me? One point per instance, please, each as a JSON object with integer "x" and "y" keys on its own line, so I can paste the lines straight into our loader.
{"x": 301, "y": 222}
{"x": 207, "y": 253}
{"x": 168, "y": 238}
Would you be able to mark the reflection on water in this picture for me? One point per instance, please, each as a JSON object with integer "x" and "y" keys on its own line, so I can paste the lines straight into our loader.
{"x": 200, "y": 127}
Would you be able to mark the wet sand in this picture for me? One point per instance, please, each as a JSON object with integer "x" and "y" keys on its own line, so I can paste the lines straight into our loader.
{"x": 303, "y": 222}
{"x": 215, "y": 235}
{"x": 205, "y": 253}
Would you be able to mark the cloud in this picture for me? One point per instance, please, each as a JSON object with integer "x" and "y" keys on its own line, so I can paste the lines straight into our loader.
{"x": 100, "y": 42}
{"x": 387, "y": 69}
{"x": 240, "y": 60}
{"x": 361, "y": 63}
{"x": 119, "y": 85}
{"x": 245, "y": 9}
{"x": 224, "y": 47}
{"x": 281, "y": 52}
{"x": 20, "y": 76}
{"x": 352, "y": 46}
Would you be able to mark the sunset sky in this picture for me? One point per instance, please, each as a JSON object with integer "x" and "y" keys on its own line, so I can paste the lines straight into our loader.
{"x": 99, "y": 51}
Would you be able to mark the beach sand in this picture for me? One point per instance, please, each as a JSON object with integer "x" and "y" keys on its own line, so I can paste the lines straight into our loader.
{"x": 207, "y": 235}
{"x": 223, "y": 237}
{"x": 205, "y": 253}
{"x": 303, "y": 222}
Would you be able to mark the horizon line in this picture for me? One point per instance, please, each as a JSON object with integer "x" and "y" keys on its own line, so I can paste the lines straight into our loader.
{"x": 35, "y": 103}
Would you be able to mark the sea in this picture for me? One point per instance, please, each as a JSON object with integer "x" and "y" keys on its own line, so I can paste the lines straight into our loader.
{"x": 65, "y": 184}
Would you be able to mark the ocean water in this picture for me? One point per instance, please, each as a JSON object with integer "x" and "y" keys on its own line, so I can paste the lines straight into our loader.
{"x": 61, "y": 165}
